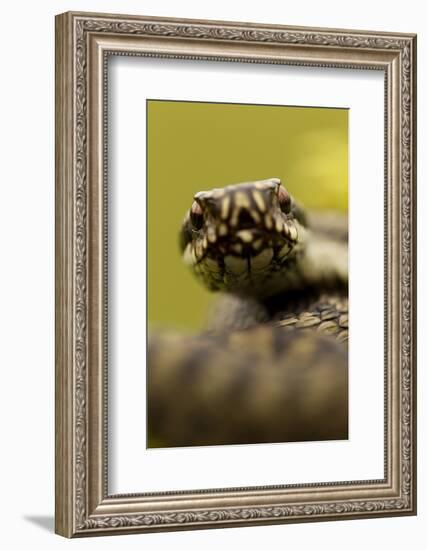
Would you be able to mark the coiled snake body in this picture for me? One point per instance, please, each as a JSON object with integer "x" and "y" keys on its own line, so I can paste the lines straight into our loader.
{"x": 273, "y": 364}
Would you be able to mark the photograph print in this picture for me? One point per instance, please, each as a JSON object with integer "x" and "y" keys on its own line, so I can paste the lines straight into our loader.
{"x": 247, "y": 265}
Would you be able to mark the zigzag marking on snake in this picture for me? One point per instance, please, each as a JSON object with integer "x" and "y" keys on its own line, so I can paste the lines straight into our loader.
{"x": 272, "y": 364}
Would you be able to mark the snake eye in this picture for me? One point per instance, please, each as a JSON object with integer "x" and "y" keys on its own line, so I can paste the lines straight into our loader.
{"x": 284, "y": 200}
{"x": 196, "y": 215}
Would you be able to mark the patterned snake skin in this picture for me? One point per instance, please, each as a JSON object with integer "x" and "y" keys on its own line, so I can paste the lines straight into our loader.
{"x": 272, "y": 365}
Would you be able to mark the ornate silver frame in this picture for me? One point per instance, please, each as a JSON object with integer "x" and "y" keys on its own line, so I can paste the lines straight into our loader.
{"x": 83, "y": 505}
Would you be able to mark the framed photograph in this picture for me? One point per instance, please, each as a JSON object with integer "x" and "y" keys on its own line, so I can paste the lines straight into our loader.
{"x": 235, "y": 274}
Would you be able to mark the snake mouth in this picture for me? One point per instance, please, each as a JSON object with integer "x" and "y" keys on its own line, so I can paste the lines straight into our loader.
{"x": 235, "y": 249}
{"x": 240, "y": 252}
{"x": 241, "y": 260}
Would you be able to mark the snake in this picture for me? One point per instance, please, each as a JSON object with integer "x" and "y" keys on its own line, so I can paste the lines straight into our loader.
{"x": 272, "y": 364}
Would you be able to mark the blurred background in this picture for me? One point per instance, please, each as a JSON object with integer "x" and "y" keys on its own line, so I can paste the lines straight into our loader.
{"x": 197, "y": 146}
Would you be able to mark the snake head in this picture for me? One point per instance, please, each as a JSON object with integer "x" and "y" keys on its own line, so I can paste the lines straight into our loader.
{"x": 236, "y": 236}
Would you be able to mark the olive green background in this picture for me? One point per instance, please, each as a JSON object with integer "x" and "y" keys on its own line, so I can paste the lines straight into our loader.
{"x": 196, "y": 146}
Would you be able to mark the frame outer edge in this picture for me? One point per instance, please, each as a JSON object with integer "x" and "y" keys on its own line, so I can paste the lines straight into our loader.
{"x": 73, "y": 401}
{"x": 64, "y": 237}
{"x": 414, "y": 269}
{"x": 249, "y": 25}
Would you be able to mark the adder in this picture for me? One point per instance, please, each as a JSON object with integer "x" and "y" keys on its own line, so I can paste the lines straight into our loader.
{"x": 272, "y": 366}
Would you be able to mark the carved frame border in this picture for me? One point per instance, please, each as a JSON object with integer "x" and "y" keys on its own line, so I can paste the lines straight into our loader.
{"x": 83, "y": 43}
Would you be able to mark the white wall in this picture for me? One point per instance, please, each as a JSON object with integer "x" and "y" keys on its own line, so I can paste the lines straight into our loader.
{"x": 26, "y": 289}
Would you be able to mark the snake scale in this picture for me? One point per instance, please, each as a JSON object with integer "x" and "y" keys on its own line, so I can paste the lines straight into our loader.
{"x": 273, "y": 364}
